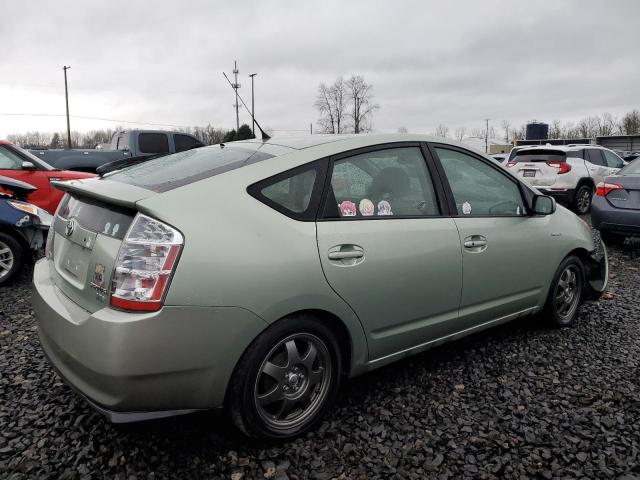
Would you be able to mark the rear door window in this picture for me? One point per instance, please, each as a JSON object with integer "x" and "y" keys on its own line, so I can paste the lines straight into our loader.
{"x": 185, "y": 142}
{"x": 153, "y": 143}
{"x": 389, "y": 182}
{"x": 595, "y": 156}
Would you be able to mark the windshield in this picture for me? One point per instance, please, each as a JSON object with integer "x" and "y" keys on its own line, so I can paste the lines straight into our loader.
{"x": 172, "y": 171}
{"x": 631, "y": 169}
{"x": 540, "y": 156}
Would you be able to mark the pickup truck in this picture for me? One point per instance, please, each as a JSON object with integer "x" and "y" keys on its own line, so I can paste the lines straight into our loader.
{"x": 124, "y": 144}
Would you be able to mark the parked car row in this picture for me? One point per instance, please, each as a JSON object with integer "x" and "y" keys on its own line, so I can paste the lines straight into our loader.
{"x": 256, "y": 276}
{"x": 568, "y": 173}
{"x": 23, "y": 227}
{"x": 124, "y": 144}
{"x": 21, "y": 165}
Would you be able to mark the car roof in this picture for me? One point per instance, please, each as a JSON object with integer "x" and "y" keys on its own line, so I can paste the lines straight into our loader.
{"x": 561, "y": 148}
{"x": 351, "y": 141}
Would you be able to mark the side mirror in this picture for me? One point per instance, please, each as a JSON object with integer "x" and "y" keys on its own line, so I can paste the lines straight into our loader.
{"x": 544, "y": 205}
{"x": 28, "y": 166}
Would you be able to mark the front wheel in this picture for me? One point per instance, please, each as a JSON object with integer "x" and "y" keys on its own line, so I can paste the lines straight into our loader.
{"x": 11, "y": 257}
{"x": 566, "y": 293}
{"x": 286, "y": 380}
{"x": 582, "y": 201}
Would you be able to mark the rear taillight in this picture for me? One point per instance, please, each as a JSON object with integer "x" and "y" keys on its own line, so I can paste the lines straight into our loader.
{"x": 603, "y": 189}
{"x": 563, "y": 167}
{"x": 511, "y": 164}
{"x": 146, "y": 260}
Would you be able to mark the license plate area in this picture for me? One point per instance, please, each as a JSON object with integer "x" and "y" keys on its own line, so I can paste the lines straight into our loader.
{"x": 528, "y": 173}
{"x": 71, "y": 261}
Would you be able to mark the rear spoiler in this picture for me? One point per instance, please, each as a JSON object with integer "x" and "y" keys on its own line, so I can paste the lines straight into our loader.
{"x": 110, "y": 192}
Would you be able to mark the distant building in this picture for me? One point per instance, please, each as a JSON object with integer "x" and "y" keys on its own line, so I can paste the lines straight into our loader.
{"x": 495, "y": 145}
{"x": 629, "y": 143}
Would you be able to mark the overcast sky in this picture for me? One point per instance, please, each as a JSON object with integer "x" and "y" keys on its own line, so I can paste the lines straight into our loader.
{"x": 450, "y": 62}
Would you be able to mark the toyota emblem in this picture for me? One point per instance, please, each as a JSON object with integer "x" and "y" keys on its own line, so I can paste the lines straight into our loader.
{"x": 71, "y": 226}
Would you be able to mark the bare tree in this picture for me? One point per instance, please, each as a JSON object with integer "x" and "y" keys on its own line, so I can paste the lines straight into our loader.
{"x": 403, "y": 130}
{"x": 630, "y": 124}
{"x": 362, "y": 105}
{"x": 606, "y": 124}
{"x": 505, "y": 125}
{"x": 331, "y": 103}
{"x": 556, "y": 129}
{"x": 442, "y": 130}
{"x": 460, "y": 133}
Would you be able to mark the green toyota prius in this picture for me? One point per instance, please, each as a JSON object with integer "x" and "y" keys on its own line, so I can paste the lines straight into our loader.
{"x": 256, "y": 276}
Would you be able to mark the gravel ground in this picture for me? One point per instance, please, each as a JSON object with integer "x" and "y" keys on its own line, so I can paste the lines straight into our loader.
{"x": 517, "y": 401}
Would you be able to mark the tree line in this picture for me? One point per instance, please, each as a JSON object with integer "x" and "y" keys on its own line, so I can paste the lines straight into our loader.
{"x": 208, "y": 135}
{"x": 589, "y": 127}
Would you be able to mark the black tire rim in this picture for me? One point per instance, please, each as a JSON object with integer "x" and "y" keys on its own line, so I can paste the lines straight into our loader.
{"x": 7, "y": 260}
{"x": 293, "y": 381}
{"x": 584, "y": 200}
{"x": 567, "y": 293}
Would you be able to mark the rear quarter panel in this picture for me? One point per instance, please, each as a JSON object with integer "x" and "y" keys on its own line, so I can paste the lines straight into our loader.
{"x": 239, "y": 252}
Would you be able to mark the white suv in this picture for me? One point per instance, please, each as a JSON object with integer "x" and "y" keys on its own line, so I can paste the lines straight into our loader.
{"x": 570, "y": 173}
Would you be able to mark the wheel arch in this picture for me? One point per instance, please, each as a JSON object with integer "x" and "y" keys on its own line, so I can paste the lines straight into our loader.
{"x": 15, "y": 234}
{"x": 337, "y": 326}
{"x": 586, "y": 181}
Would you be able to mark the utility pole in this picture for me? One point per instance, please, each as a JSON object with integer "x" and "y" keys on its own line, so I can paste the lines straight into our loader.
{"x": 253, "y": 106}
{"x": 486, "y": 135}
{"x": 66, "y": 96}
{"x": 311, "y": 128}
{"x": 236, "y": 86}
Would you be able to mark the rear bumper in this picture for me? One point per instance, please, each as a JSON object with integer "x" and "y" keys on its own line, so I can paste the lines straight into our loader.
{"x": 562, "y": 195}
{"x": 604, "y": 216}
{"x": 139, "y": 366}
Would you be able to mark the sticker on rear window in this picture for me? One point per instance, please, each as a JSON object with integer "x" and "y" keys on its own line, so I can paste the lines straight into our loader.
{"x": 384, "y": 208}
{"x": 466, "y": 208}
{"x": 347, "y": 209}
{"x": 366, "y": 207}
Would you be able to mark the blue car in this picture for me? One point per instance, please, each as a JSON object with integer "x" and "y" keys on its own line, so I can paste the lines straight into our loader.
{"x": 23, "y": 227}
{"x": 615, "y": 209}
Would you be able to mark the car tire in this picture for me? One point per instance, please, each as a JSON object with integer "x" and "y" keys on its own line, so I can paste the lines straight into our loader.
{"x": 286, "y": 380}
{"x": 611, "y": 238}
{"x": 566, "y": 293}
{"x": 11, "y": 257}
{"x": 582, "y": 200}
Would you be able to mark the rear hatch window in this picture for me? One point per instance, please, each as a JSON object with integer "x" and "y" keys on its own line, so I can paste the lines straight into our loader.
{"x": 539, "y": 156}
{"x": 173, "y": 171}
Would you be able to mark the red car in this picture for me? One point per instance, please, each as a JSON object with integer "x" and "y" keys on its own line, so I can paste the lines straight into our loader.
{"x": 21, "y": 165}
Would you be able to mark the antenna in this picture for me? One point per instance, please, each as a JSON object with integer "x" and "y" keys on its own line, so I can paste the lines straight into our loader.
{"x": 265, "y": 137}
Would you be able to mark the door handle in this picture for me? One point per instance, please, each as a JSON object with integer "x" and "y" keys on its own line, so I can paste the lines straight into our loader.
{"x": 475, "y": 243}
{"x": 345, "y": 254}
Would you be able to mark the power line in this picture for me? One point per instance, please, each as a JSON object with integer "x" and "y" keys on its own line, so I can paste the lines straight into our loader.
{"x": 92, "y": 118}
